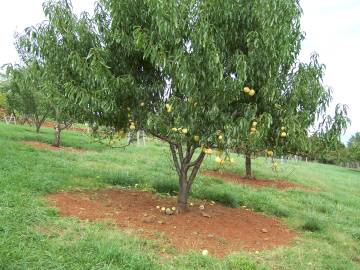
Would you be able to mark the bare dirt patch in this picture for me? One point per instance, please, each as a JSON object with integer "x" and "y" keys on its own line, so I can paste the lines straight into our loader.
{"x": 257, "y": 183}
{"x": 45, "y": 146}
{"x": 218, "y": 229}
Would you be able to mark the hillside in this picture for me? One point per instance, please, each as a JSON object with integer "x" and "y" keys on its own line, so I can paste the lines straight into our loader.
{"x": 322, "y": 209}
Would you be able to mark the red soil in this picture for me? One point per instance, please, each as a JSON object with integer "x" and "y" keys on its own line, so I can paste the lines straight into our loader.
{"x": 258, "y": 183}
{"x": 45, "y": 146}
{"x": 218, "y": 229}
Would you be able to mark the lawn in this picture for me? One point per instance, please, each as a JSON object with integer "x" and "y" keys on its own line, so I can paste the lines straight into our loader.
{"x": 34, "y": 236}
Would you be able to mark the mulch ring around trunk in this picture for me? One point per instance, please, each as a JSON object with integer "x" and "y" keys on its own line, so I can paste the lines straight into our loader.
{"x": 218, "y": 229}
{"x": 45, "y": 146}
{"x": 257, "y": 183}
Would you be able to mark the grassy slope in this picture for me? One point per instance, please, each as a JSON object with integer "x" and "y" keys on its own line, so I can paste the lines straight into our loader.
{"x": 33, "y": 236}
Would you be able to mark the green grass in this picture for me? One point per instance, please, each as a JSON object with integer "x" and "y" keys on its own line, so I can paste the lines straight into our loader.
{"x": 34, "y": 236}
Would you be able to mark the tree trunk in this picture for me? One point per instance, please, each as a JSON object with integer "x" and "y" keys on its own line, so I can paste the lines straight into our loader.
{"x": 248, "y": 166}
{"x": 38, "y": 126}
{"x": 183, "y": 194}
{"x": 186, "y": 170}
{"x": 39, "y": 121}
{"x": 57, "y": 136}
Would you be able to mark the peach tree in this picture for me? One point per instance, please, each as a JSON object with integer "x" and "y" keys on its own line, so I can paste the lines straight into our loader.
{"x": 166, "y": 67}
{"x": 195, "y": 74}
{"x": 283, "y": 99}
{"x": 50, "y": 46}
{"x": 286, "y": 116}
{"x": 25, "y": 94}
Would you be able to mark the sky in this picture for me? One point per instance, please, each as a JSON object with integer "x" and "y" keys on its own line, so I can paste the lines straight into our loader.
{"x": 332, "y": 30}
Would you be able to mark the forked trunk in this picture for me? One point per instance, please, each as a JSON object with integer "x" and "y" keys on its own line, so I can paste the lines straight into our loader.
{"x": 57, "y": 140}
{"x": 39, "y": 121}
{"x": 248, "y": 166}
{"x": 187, "y": 171}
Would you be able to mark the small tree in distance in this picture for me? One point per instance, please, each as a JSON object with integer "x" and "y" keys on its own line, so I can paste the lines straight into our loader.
{"x": 50, "y": 45}
{"x": 288, "y": 107}
{"x": 325, "y": 144}
{"x": 26, "y": 94}
{"x": 4, "y": 87}
{"x": 353, "y": 148}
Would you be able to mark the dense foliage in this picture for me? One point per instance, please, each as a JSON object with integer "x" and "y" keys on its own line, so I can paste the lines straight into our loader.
{"x": 49, "y": 47}
{"x": 26, "y": 96}
{"x": 3, "y": 90}
{"x": 3, "y": 103}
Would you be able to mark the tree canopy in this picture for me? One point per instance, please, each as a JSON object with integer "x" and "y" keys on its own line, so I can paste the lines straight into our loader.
{"x": 51, "y": 47}
{"x": 25, "y": 93}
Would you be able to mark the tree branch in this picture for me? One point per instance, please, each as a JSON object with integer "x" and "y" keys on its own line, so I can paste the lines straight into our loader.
{"x": 195, "y": 170}
{"x": 192, "y": 164}
{"x": 163, "y": 138}
{"x": 39, "y": 121}
{"x": 181, "y": 155}
{"x": 189, "y": 152}
{"x": 115, "y": 147}
{"x": 175, "y": 158}
{"x": 67, "y": 125}
{"x": 44, "y": 117}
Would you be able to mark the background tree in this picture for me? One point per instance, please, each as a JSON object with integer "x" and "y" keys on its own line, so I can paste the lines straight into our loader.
{"x": 4, "y": 86}
{"x": 353, "y": 148}
{"x": 51, "y": 45}
{"x": 2, "y": 100}
{"x": 271, "y": 39}
{"x": 324, "y": 144}
{"x": 282, "y": 98}
{"x": 26, "y": 94}
{"x": 354, "y": 140}
{"x": 354, "y": 153}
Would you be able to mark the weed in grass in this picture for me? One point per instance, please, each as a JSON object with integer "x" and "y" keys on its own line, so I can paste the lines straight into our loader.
{"x": 197, "y": 261}
{"x": 280, "y": 211}
{"x": 212, "y": 193}
{"x": 119, "y": 178}
{"x": 237, "y": 262}
{"x": 165, "y": 186}
{"x": 313, "y": 224}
